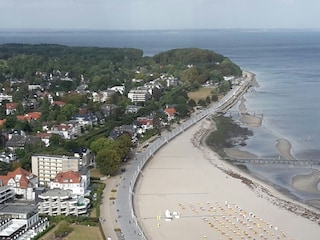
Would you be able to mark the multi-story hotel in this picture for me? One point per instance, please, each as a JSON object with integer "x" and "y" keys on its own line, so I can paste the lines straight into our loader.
{"x": 46, "y": 167}
{"x": 62, "y": 202}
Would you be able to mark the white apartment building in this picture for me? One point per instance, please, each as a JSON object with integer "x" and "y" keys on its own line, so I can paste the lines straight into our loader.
{"x": 46, "y": 167}
{"x": 62, "y": 202}
{"x": 139, "y": 95}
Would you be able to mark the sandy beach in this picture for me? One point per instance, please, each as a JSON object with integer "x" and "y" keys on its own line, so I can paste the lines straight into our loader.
{"x": 210, "y": 199}
{"x": 187, "y": 192}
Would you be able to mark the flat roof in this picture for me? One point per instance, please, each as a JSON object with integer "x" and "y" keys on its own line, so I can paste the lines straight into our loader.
{"x": 10, "y": 208}
{"x": 56, "y": 192}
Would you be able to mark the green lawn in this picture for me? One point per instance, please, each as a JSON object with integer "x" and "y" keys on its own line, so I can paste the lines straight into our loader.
{"x": 81, "y": 232}
{"x": 94, "y": 172}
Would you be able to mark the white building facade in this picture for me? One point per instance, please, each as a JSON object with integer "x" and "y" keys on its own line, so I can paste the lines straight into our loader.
{"x": 46, "y": 167}
{"x": 62, "y": 202}
{"x": 71, "y": 180}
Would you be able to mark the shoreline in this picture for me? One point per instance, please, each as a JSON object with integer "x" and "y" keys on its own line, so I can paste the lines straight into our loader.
{"x": 187, "y": 180}
{"x": 185, "y": 177}
{"x": 301, "y": 185}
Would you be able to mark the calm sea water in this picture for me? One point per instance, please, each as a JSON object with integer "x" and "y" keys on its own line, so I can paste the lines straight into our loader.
{"x": 287, "y": 68}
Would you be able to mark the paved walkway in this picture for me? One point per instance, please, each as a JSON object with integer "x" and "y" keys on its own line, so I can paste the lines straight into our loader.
{"x": 107, "y": 208}
{"x": 124, "y": 214}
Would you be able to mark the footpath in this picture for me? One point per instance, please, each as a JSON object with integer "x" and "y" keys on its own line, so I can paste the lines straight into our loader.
{"x": 111, "y": 211}
{"x": 107, "y": 208}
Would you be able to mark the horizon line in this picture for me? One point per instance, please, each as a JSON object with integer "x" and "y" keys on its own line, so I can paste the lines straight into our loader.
{"x": 151, "y": 30}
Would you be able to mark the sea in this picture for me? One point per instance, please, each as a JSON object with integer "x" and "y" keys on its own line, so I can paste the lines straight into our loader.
{"x": 287, "y": 68}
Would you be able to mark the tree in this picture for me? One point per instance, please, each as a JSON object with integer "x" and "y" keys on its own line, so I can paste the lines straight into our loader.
{"x": 69, "y": 110}
{"x": 202, "y": 103}
{"x": 10, "y": 122}
{"x": 123, "y": 144}
{"x": 108, "y": 161}
{"x": 192, "y": 103}
{"x": 216, "y": 76}
{"x": 208, "y": 100}
{"x": 101, "y": 144}
{"x": 214, "y": 98}
{"x": 45, "y": 110}
{"x": 24, "y": 157}
{"x": 183, "y": 110}
{"x": 56, "y": 141}
{"x": 24, "y": 125}
{"x": 156, "y": 94}
{"x": 190, "y": 75}
{"x": 225, "y": 86}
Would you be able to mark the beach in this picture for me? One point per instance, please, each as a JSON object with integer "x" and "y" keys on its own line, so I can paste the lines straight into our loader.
{"x": 210, "y": 199}
{"x": 187, "y": 192}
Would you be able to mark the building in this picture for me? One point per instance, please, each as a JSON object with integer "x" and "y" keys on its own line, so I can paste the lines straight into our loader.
{"x": 4, "y": 97}
{"x": 62, "y": 202}
{"x": 45, "y": 138}
{"x": 86, "y": 157}
{"x": 170, "y": 112}
{"x": 6, "y": 194}
{"x": 20, "y": 141}
{"x": 71, "y": 180}
{"x": 20, "y": 221}
{"x": 132, "y": 109}
{"x": 46, "y": 167}
{"x": 146, "y": 122}
{"x": 139, "y": 95}
{"x": 119, "y": 89}
{"x": 22, "y": 182}
{"x": 31, "y": 116}
{"x": 11, "y": 108}
{"x": 68, "y": 130}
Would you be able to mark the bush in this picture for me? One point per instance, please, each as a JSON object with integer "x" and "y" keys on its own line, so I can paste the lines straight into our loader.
{"x": 63, "y": 229}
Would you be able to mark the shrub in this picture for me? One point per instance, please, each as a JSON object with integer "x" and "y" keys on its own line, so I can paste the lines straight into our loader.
{"x": 63, "y": 229}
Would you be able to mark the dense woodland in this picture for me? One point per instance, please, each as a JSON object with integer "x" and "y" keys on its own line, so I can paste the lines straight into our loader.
{"x": 58, "y": 68}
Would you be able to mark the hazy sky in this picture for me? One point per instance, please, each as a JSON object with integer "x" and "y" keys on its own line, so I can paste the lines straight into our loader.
{"x": 158, "y": 14}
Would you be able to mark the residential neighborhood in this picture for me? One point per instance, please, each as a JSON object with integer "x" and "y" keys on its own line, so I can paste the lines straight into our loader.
{"x": 56, "y": 127}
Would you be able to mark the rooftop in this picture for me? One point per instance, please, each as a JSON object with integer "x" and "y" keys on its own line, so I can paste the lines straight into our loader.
{"x": 56, "y": 192}
{"x": 17, "y": 208}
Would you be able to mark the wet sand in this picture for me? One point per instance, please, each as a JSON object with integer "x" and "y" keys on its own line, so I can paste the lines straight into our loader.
{"x": 207, "y": 198}
{"x": 212, "y": 199}
{"x": 309, "y": 183}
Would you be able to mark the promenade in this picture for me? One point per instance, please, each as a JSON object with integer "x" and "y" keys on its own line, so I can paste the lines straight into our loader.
{"x": 126, "y": 218}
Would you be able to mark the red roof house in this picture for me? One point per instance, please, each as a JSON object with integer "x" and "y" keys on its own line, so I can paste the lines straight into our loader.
{"x": 11, "y": 108}
{"x": 22, "y": 181}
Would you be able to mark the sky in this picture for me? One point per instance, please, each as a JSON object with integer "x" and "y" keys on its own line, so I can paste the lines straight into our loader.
{"x": 159, "y": 14}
